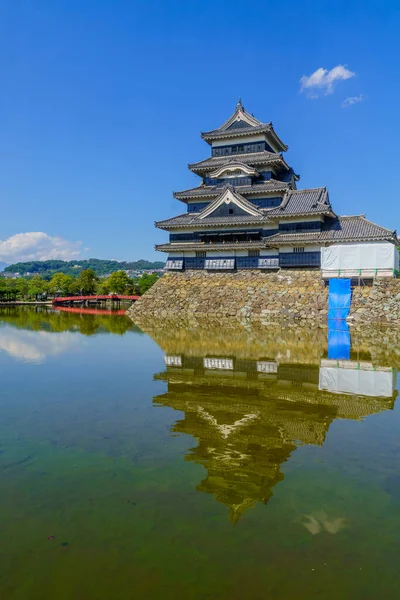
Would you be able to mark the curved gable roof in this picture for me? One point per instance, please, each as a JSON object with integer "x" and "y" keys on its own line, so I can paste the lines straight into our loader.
{"x": 228, "y": 196}
{"x": 242, "y": 123}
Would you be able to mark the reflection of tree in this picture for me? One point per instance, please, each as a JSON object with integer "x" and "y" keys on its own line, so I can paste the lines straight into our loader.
{"x": 43, "y": 318}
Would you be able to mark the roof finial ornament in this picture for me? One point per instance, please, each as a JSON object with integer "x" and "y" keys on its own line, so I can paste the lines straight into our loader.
{"x": 239, "y": 105}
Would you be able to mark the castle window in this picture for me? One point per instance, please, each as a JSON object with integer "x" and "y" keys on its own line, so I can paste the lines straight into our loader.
{"x": 254, "y": 253}
{"x": 231, "y": 211}
{"x": 298, "y": 249}
{"x": 201, "y": 254}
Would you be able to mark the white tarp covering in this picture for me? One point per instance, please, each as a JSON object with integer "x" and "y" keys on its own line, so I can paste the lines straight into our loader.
{"x": 359, "y": 256}
{"x": 355, "y": 381}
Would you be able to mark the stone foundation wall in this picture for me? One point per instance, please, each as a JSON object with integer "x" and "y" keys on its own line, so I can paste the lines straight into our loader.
{"x": 286, "y": 295}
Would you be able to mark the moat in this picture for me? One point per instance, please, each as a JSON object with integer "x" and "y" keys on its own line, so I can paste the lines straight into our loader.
{"x": 196, "y": 460}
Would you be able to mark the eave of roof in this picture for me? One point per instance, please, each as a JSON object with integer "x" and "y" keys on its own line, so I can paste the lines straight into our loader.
{"x": 251, "y": 158}
{"x": 218, "y": 247}
{"x": 204, "y": 191}
{"x": 336, "y": 230}
{"x": 209, "y": 222}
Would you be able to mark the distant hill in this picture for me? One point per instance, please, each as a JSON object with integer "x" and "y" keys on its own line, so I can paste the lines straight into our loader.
{"x": 47, "y": 268}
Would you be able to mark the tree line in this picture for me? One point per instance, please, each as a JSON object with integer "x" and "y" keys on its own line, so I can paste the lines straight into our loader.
{"x": 47, "y": 268}
{"x": 86, "y": 284}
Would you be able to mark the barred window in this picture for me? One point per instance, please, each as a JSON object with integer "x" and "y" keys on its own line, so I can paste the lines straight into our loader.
{"x": 298, "y": 249}
{"x": 254, "y": 253}
{"x": 201, "y": 254}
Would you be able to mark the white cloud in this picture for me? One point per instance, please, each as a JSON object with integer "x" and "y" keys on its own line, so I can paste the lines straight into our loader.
{"x": 324, "y": 80}
{"x": 36, "y": 245}
{"x": 36, "y": 346}
{"x": 352, "y": 100}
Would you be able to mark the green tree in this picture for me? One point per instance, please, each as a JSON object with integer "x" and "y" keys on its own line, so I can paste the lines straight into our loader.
{"x": 119, "y": 282}
{"x": 3, "y": 287}
{"x": 86, "y": 283}
{"x": 146, "y": 281}
{"x": 102, "y": 287}
{"x": 37, "y": 286}
{"x": 61, "y": 283}
{"x": 22, "y": 288}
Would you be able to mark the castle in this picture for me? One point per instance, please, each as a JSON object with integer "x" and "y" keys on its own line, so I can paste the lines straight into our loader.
{"x": 247, "y": 213}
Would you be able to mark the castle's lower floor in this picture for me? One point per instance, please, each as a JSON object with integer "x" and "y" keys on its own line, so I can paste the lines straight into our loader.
{"x": 373, "y": 259}
{"x": 231, "y": 260}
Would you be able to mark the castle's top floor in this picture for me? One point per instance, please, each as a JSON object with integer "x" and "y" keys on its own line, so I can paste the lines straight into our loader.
{"x": 243, "y": 133}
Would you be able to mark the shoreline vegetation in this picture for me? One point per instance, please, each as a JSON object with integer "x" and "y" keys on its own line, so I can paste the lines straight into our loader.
{"x": 38, "y": 290}
{"x": 44, "y": 318}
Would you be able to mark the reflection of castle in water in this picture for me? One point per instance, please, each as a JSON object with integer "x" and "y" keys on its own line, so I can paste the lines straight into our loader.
{"x": 249, "y": 415}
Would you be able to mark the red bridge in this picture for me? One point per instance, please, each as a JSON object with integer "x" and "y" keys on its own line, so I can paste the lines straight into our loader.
{"x": 93, "y": 299}
{"x": 90, "y": 311}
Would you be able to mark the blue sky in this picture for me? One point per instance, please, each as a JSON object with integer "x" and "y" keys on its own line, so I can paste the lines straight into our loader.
{"x": 103, "y": 101}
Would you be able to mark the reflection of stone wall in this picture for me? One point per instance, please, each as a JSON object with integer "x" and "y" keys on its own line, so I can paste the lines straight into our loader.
{"x": 292, "y": 342}
{"x": 209, "y": 338}
{"x": 286, "y": 295}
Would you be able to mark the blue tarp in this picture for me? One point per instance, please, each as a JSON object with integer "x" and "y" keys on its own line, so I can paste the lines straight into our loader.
{"x": 339, "y": 298}
{"x": 338, "y": 340}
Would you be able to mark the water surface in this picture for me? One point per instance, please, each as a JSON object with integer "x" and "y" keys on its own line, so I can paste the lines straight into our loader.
{"x": 187, "y": 460}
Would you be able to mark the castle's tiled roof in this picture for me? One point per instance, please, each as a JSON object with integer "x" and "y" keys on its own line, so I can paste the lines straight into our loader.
{"x": 356, "y": 227}
{"x": 237, "y": 130}
{"x": 251, "y": 158}
{"x": 303, "y": 202}
{"x": 193, "y": 246}
{"x": 193, "y": 220}
{"x": 207, "y": 191}
{"x": 294, "y": 203}
{"x": 339, "y": 229}
{"x": 242, "y": 123}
